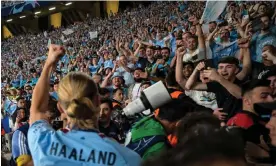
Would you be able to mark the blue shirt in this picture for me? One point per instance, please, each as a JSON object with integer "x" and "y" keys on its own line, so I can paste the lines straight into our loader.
{"x": 258, "y": 42}
{"x": 50, "y": 147}
{"x": 160, "y": 43}
{"x": 220, "y": 52}
{"x": 34, "y": 81}
{"x": 54, "y": 95}
{"x": 19, "y": 144}
{"x": 94, "y": 69}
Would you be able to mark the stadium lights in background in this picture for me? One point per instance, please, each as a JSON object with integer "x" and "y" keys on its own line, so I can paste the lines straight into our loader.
{"x": 38, "y": 12}
{"x": 69, "y": 3}
{"x": 52, "y": 8}
{"x": 22, "y": 16}
{"x": 9, "y": 20}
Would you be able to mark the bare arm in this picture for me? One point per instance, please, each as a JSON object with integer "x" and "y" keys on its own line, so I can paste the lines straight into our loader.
{"x": 137, "y": 50}
{"x": 179, "y": 67}
{"x": 193, "y": 78}
{"x": 173, "y": 62}
{"x": 105, "y": 81}
{"x": 232, "y": 88}
{"x": 201, "y": 41}
{"x": 41, "y": 91}
{"x": 246, "y": 69}
{"x": 211, "y": 35}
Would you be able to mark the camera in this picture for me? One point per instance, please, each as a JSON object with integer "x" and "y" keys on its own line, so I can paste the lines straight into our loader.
{"x": 151, "y": 98}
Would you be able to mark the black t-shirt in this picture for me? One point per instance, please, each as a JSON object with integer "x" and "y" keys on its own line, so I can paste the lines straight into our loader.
{"x": 225, "y": 100}
{"x": 110, "y": 131}
{"x": 144, "y": 64}
{"x": 259, "y": 69}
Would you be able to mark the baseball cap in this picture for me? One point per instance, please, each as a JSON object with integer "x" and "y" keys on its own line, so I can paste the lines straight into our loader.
{"x": 265, "y": 109}
{"x": 117, "y": 74}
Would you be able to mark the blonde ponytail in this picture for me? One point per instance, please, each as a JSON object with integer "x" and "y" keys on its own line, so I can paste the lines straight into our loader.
{"x": 76, "y": 93}
{"x": 83, "y": 113}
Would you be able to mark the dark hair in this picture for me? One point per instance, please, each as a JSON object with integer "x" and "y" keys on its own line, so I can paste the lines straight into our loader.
{"x": 108, "y": 101}
{"x": 145, "y": 83}
{"x": 166, "y": 48}
{"x": 213, "y": 22}
{"x": 56, "y": 82}
{"x": 230, "y": 60}
{"x": 188, "y": 63}
{"x": 103, "y": 91}
{"x": 52, "y": 108}
{"x": 170, "y": 79}
{"x": 252, "y": 84}
{"x": 196, "y": 121}
{"x": 20, "y": 98}
{"x": 194, "y": 37}
{"x": 116, "y": 89}
{"x": 14, "y": 115}
{"x": 175, "y": 110}
{"x": 150, "y": 47}
{"x": 203, "y": 149}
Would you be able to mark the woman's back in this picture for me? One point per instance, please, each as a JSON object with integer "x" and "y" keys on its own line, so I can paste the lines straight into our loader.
{"x": 50, "y": 147}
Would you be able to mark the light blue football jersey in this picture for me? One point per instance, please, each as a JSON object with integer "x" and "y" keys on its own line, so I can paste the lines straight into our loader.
{"x": 76, "y": 147}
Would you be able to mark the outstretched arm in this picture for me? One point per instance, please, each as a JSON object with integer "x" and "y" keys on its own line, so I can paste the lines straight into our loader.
{"x": 41, "y": 91}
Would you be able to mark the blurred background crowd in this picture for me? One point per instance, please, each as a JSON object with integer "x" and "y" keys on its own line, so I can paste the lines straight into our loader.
{"x": 223, "y": 68}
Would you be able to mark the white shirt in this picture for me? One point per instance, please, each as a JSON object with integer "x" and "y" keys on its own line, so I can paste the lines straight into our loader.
{"x": 206, "y": 99}
{"x": 136, "y": 91}
{"x": 128, "y": 77}
{"x": 188, "y": 57}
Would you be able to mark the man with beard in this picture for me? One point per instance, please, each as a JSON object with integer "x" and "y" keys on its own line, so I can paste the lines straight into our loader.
{"x": 267, "y": 36}
{"x": 134, "y": 89}
{"x": 212, "y": 26}
{"x": 106, "y": 125}
{"x": 223, "y": 46}
{"x": 146, "y": 63}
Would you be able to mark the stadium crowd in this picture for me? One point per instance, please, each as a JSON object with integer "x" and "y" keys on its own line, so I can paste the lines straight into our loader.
{"x": 10, "y": 3}
{"x": 63, "y": 93}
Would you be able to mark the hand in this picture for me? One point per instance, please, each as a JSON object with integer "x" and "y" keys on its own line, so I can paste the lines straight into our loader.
{"x": 144, "y": 75}
{"x": 193, "y": 19}
{"x": 220, "y": 115}
{"x": 55, "y": 53}
{"x": 18, "y": 119}
{"x": 263, "y": 144}
{"x": 248, "y": 30}
{"x": 269, "y": 56}
{"x": 243, "y": 43}
{"x": 180, "y": 52}
{"x": 200, "y": 66}
{"x": 212, "y": 74}
{"x": 255, "y": 151}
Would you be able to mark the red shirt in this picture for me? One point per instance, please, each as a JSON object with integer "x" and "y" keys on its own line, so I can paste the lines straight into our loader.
{"x": 243, "y": 119}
